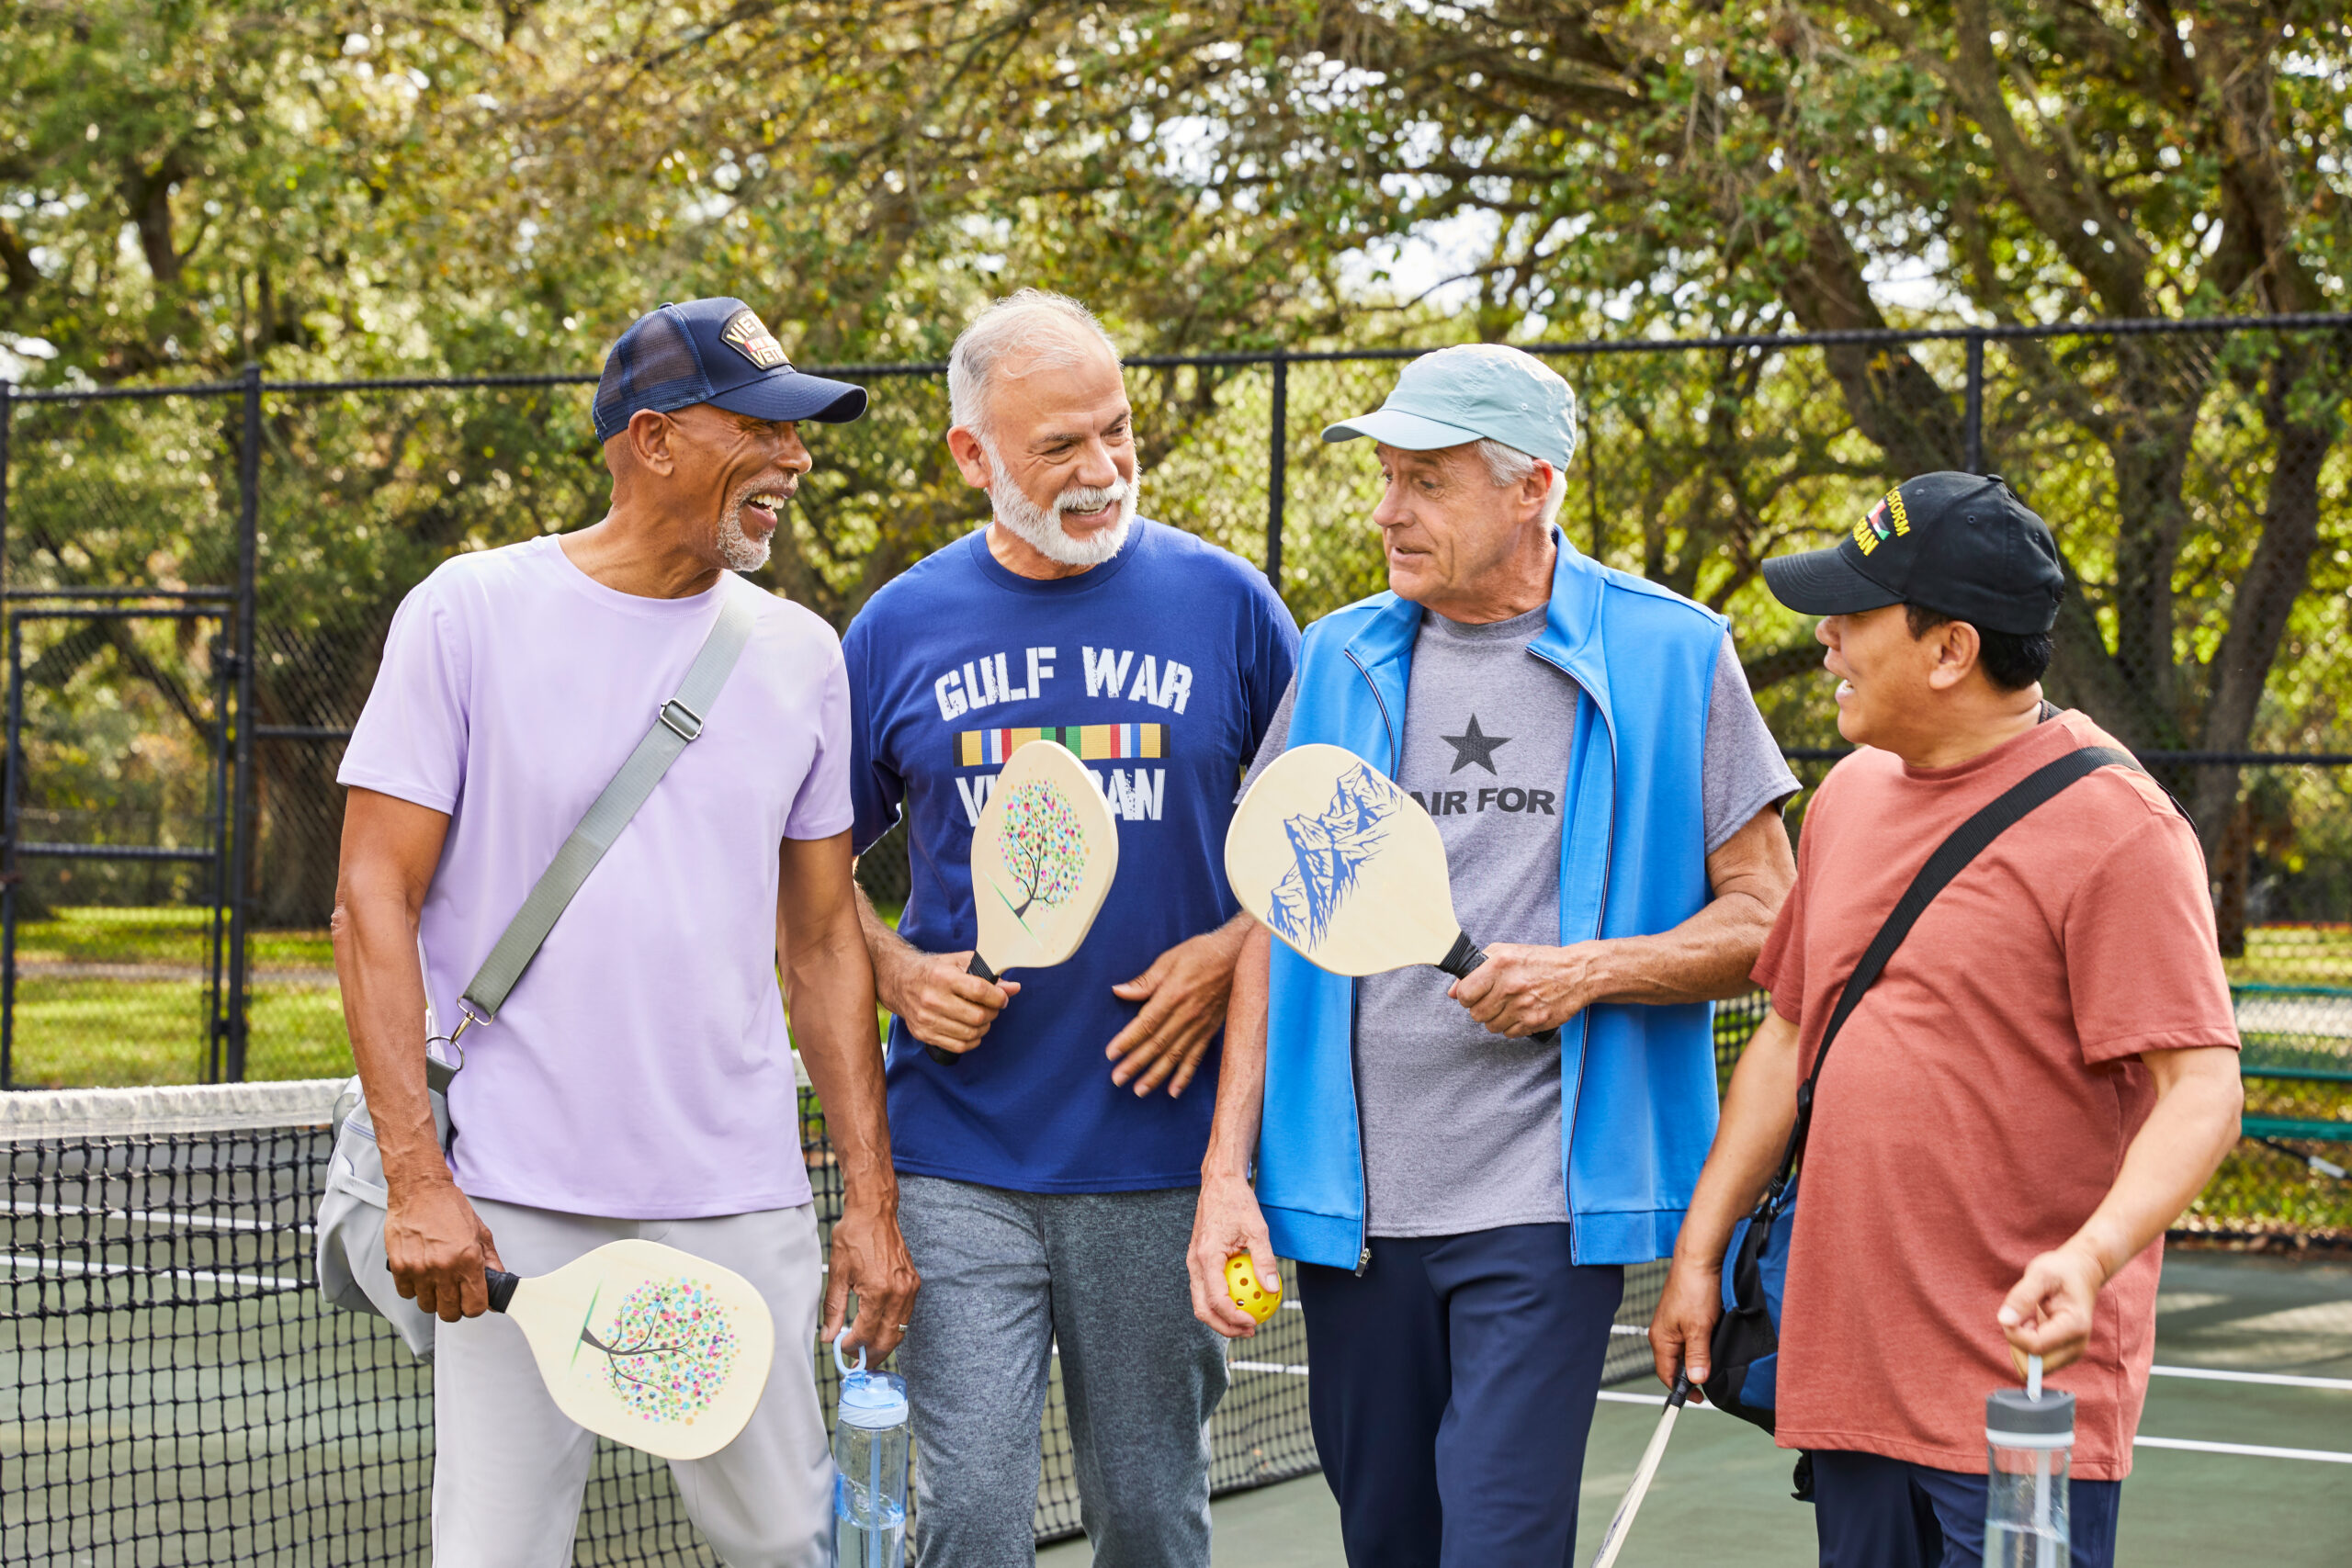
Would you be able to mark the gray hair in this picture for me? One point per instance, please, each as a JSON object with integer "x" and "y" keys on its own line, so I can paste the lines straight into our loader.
{"x": 1044, "y": 331}
{"x": 1509, "y": 466}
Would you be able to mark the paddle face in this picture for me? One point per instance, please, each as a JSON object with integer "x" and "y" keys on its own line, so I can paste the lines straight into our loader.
{"x": 1341, "y": 864}
{"x": 1043, "y": 856}
{"x": 648, "y": 1346}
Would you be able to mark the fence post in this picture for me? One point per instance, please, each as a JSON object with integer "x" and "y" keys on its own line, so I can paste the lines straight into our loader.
{"x": 7, "y": 419}
{"x": 11, "y": 801}
{"x": 1976, "y": 430}
{"x": 241, "y": 812}
{"x": 1277, "y": 461}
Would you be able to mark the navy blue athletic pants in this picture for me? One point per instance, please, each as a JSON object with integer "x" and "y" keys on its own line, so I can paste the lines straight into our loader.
{"x": 1451, "y": 1394}
{"x": 1874, "y": 1512}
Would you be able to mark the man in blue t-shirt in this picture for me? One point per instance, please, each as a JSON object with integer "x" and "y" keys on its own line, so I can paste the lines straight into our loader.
{"x": 1047, "y": 1187}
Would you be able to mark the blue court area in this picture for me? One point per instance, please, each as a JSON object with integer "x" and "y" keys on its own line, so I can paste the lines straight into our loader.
{"x": 2245, "y": 1454}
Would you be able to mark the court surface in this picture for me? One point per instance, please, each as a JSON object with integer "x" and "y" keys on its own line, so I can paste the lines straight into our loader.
{"x": 1722, "y": 1495}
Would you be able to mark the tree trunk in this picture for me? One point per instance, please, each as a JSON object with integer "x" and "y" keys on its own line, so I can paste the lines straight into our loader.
{"x": 2274, "y": 579}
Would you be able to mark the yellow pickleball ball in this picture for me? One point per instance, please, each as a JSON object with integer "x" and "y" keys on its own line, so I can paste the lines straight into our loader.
{"x": 1241, "y": 1282}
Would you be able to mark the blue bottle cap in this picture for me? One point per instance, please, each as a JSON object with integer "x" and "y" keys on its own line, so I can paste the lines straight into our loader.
{"x": 870, "y": 1401}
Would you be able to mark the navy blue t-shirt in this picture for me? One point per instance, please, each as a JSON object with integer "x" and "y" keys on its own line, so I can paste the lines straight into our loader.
{"x": 1173, "y": 655}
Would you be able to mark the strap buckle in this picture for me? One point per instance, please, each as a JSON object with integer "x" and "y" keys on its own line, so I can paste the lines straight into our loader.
{"x": 685, "y": 726}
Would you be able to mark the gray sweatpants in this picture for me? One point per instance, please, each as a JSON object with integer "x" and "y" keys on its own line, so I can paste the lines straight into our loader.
{"x": 1008, "y": 1277}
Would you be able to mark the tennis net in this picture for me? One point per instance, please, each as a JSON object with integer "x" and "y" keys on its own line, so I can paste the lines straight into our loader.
{"x": 173, "y": 1390}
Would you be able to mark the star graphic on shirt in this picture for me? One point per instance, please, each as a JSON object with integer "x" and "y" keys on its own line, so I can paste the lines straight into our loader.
{"x": 1470, "y": 746}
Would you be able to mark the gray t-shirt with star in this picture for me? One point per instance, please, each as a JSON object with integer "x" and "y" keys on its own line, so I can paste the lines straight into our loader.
{"x": 1461, "y": 1127}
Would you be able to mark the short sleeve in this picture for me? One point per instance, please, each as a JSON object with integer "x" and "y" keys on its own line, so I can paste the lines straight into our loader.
{"x": 2143, "y": 963}
{"x": 1273, "y": 661}
{"x": 1277, "y": 737}
{"x": 410, "y": 739}
{"x": 1743, "y": 771}
{"x": 1780, "y": 968}
{"x": 823, "y": 808}
{"x": 875, "y": 789}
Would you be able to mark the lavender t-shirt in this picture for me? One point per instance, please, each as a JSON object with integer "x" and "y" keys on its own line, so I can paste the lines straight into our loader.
{"x": 641, "y": 1068}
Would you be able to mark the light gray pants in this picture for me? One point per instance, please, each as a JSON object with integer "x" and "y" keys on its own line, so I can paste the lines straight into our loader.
{"x": 1008, "y": 1277}
{"x": 509, "y": 1467}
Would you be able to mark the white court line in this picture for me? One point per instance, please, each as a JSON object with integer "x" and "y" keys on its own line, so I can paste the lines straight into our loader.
{"x": 114, "y": 1271}
{"x": 2276, "y": 1380}
{"x": 2248, "y": 1450}
{"x": 2251, "y": 1451}
{"x": 152, "y": 1217}
{"x": 1266, "y": 1367}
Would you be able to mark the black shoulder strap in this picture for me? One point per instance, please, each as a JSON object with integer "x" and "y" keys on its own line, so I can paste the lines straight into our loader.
{"x": 1967, "y": 842}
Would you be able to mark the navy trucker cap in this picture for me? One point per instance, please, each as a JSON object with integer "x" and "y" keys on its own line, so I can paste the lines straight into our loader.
{"x": 717, "y": 352}
{"x": 1962, "y": 545}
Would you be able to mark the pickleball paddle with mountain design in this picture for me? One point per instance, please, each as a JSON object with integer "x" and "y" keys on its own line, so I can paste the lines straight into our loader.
{"x": 1346, "y": 868}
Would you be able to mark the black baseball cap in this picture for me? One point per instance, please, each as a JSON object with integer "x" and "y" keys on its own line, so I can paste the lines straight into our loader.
{"x": 717, "y": 352}
{"x": 1962, "y": 545}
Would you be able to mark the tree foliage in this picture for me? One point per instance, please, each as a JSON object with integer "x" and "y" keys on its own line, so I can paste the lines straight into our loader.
{"x": 462, "y": 187}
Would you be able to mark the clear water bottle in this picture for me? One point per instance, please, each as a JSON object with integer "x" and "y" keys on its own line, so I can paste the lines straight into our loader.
{"x": 870, "y": 1466}
{"x": 2030, "y": 1439}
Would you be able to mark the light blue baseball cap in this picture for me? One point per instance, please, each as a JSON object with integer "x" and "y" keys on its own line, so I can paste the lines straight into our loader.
{"x": 1469, "y": 392}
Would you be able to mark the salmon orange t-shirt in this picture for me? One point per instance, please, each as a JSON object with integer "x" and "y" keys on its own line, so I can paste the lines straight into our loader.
{"x": 1976, "y": 1107}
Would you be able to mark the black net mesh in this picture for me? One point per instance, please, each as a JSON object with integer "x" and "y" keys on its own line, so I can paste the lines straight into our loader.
{"x": 652, "y": 366}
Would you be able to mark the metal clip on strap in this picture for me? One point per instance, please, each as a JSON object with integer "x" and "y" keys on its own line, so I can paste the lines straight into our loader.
{"x": 670, "y": 712}
{"x": 676, "y": 724}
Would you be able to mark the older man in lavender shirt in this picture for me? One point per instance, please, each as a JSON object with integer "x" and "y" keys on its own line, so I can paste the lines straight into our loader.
{"x": 639, "y": 1081}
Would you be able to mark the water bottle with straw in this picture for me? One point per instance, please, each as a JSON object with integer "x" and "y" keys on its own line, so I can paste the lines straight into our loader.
{"x": 2029, "y": 1437}
{"x": 870, "y": 1466}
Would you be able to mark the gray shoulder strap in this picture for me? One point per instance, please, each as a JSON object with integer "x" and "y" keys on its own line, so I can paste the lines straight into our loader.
{"x": 675, "y": 725}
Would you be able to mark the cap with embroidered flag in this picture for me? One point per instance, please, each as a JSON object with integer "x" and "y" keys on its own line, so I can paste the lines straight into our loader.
{"x": 1960, "y": 545}
{"x": 1474, "y": 392}
{"x": 717, "y": 352}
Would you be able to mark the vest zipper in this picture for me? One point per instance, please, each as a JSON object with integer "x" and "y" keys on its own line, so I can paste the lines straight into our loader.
{"x": 1601, "y": 918}
{"x": 1364, "y": 1177}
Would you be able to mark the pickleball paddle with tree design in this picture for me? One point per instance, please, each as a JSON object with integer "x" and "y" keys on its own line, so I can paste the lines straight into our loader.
{"x": 1044, "y": 852}
{"x": 646, "y": 1345}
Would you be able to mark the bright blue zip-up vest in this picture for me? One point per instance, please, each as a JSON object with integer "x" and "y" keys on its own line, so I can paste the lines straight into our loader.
{"x": 1637, "y": 1084}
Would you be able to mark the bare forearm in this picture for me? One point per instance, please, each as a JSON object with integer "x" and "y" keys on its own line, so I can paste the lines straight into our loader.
{"x": 2192, "y": 1128}
{"x": 383, "y": 1008}
{"x": 1706, "y": 958}
{"x": 1241, "y": 1079}
{"x": 1758, "y": 1110}
{"x": 889, "y": 953}
{"x": 829, "y": 988}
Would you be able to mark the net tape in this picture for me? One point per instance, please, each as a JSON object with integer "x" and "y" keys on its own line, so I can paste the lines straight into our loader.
{"x": 175, "y": 1391}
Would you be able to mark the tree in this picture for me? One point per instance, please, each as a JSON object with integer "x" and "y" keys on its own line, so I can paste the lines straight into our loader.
{"x": 1043, "y": 844}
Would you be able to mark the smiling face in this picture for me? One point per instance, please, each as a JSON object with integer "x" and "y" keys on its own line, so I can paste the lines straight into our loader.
{"x": 1452, "y": 536}
{"x": 1889, "y": 683}
{"x": 737, "y": 472}
{"x": 1056, "y": 456}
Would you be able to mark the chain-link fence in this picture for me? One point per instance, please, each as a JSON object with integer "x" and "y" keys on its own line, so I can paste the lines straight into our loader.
{"x": 179, "y": 561}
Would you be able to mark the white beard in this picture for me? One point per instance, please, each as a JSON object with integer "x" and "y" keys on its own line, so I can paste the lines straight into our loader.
{"x": 736, "y": 547}
{"x": 1043, "y": 530}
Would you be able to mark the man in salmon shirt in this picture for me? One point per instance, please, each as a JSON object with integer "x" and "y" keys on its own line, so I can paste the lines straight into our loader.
{"x": 2043, "y": 1078}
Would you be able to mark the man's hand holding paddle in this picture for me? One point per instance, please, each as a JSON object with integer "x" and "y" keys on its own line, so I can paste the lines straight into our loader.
{"x": 437, "y": 1247}
{"x": 1520, "y": 990}
{"x": 943, "y": 1005}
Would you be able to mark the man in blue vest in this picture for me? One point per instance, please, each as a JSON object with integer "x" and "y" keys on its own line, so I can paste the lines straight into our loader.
{"x": 1462, "y": 1200}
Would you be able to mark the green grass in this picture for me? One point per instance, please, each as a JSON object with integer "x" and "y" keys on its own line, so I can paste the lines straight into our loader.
{"x": 116, "y": 1033}
{"x": 2294, "y": 955}
{"x": 89, "y": 934}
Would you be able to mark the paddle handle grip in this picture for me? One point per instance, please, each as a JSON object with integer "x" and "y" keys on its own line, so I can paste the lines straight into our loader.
{"x": 1465, "y": 956}
{"x": 501, "y": 1288}
{"x": 978, "y": 966}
